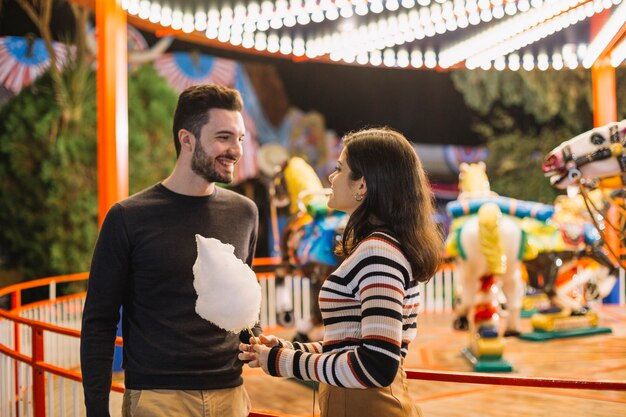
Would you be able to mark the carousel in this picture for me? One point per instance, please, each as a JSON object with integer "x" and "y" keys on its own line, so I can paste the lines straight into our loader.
{"x": 528, "y": 312}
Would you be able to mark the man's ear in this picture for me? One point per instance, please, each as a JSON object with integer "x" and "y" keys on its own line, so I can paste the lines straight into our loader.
{"x": 186, "y": 139}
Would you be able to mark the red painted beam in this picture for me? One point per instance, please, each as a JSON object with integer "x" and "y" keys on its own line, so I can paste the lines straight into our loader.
{"x": 515, "y": 381}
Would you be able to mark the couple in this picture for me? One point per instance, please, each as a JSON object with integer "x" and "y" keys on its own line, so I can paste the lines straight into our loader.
{"x": 178, "y": 364}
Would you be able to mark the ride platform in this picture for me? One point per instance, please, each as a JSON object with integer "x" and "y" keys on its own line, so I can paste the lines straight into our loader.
{"x": 438, "y": 347}
{"x": 486, "y": 363}
{"x": 540, "y": 335}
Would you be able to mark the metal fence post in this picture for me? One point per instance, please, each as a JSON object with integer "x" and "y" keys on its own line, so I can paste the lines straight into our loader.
{"x": 39, "y": 380}
{"x": 16, "y": 302}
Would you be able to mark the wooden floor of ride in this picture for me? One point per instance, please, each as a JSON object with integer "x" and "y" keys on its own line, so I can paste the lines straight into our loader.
{"x": 438, "y": 347}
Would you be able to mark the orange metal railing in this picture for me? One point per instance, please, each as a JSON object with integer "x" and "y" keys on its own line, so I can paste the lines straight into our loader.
{"x": 24, "y": 353}
{"x": 27, "y": 389}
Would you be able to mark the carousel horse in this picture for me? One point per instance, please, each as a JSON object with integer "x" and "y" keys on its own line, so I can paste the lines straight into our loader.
{"x": 567, "y": 243}
{"x": 593, "y": 159}
{"x": 488, "y": 246}
{"x": 550, "y": 239}
{"x": 311, "y": 233}
{"x": 596, "y": 154}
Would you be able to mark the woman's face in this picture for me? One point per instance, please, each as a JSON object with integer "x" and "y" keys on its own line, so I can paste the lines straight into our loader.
{"x": 346, "y": 192}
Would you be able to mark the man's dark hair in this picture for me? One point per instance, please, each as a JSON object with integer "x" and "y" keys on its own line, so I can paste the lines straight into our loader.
{"x": 192, "y": 110}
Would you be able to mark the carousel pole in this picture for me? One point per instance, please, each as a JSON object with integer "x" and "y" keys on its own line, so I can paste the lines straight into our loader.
{"x": 603, "y": 78}
{"x": 605, "y": 111}
{"x": 112, "y": 104}
{"x": 604, "y": 95}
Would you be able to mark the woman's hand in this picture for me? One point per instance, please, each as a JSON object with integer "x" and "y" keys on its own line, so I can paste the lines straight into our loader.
{"x": 262, "y": 353}
{"x": 269, "y": 341}
{"x": 250, "y": 355}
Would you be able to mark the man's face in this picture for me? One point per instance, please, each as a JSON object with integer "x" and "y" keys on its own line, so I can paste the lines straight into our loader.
{"x": 219, "y": 146}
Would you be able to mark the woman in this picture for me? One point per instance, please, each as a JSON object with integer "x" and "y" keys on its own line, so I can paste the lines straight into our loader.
{"x": 369, "y": 304}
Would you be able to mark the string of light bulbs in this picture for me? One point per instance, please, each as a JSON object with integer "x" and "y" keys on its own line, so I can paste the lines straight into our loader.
{"x": 260, "y": 25}
{"x": 546, "y": 28}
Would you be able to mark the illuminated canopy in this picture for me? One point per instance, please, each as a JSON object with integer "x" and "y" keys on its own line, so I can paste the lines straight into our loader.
{"x": 438, "y": 34}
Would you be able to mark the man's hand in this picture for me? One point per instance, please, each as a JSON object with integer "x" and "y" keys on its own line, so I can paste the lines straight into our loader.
{"x": 250, "y": 354}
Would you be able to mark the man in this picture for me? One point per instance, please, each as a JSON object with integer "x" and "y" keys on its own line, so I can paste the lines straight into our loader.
{"x": 176, "y": 363}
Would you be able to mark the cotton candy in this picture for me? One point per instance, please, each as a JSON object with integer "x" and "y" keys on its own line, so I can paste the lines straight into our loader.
{"x": 229, "y": 295}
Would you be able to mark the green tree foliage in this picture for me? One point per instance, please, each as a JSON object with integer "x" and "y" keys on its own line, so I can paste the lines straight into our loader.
{"x": 523, "y": 115}
{"x": 151, "y": 105}
{"x": 48, "y": 170}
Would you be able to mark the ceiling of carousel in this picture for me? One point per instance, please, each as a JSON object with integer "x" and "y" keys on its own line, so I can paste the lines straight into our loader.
{"x": 438, "y": 34}
{"x": 373, "y": 62}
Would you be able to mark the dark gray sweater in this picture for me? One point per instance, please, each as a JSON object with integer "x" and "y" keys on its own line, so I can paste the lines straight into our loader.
{"x": 143, "y": 263}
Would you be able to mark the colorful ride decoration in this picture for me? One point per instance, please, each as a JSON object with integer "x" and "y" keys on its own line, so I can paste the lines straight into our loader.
{"x": 309, "y": 236}
{"x": 484, "y": 241}
{"x": 557, "y": 323}
{"x": 486, "y": 345}
{"x": 572, "y": 270}
{"x": 311, "y": 233}
{"x": 23, "y": 59}
{"x": 489, "y": 247}
{"x": 183, "y": 70}
{"x": 492, "y": 235}
{"x": 571, "y": 267}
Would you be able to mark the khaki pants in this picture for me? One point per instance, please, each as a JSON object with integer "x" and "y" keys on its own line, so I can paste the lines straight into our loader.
{"x": 391, "y": 401}
{"x": 230, "y": 402}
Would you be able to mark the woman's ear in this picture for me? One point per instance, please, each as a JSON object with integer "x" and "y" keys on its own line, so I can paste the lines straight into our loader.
{"x": 362, "y": 186}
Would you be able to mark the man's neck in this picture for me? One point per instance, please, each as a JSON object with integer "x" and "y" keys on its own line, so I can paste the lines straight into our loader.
{"x": 188, "y": 183}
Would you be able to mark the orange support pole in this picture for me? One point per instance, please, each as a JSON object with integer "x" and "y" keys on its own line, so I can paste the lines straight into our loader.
{"x": 39, "y": 379}
{"x": 602, "y": 79}
{"x": 604, "y": 94}
{"x": 112, "y": 99}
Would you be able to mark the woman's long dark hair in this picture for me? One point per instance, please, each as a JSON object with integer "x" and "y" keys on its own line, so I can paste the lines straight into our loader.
{"x": 398, "y": 198}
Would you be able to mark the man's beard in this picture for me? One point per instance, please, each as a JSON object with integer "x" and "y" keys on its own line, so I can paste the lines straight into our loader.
{"x": 204, "y": 166}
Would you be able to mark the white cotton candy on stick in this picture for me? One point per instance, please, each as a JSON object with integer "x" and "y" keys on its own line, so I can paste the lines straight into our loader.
{"x": 229, "y": 295}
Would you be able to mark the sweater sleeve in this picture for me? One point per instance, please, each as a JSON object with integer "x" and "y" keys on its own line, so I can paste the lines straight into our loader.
{"x": 107, "y": 284}
{"x": 305, "y": 347}
{"x": 375, "y": 362}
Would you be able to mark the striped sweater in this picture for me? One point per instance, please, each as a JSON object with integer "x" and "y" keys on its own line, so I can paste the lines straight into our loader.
{"x": 369, "y": 305}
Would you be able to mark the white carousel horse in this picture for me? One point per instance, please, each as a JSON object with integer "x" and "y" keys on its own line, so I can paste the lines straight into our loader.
{"x": 492, "y": 243}
{"x": 597, "y": 158}
{"x": 486, "y": 244}
{"x": 597, "y": 153}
